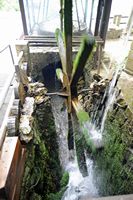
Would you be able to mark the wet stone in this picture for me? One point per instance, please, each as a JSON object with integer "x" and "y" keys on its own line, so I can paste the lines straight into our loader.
{"x": 37, "y": 95}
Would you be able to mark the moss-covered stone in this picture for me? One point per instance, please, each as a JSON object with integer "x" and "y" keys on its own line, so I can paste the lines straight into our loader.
{"x": 114, "y": 174}
{"x": 42, "y": 170}
{"x": 63, "y": 184}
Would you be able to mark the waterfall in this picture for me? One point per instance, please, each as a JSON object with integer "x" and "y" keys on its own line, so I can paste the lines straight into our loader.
{"x": 104, "y": 104}
{"x": 111, "y": 94}
{"x": 96, "y": 126}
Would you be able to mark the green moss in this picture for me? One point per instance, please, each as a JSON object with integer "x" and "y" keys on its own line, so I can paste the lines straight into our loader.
{"x": 63, "y": 184}
{"x": 42, "y": 170}
{"x": 113, "y": 173}
{"x": 65, "y": 179}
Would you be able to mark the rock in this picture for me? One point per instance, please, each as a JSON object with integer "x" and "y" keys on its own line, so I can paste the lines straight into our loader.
{"x": 87, "y": 104}
{"x": 122, "y": 103}
{"x": 80, "y": 97}
{"x": 37, "y": 89}
{"x": 97, "y": 77}
{"x": 28, "y": 106}
{"x": 41, "y": 99}
{"x": 26, "y": 120}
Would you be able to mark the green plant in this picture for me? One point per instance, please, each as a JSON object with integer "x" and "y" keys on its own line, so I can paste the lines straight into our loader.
{"x": 113, "y": 174}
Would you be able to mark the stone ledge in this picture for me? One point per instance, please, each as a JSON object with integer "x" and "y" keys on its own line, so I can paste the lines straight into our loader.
{"x": 121, "y": 197}
{"x": 128, "y": 71}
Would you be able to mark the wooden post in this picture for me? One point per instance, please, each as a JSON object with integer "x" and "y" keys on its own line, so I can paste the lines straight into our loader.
{"x": 68, "y": 45}
{"x": 68, "y": 35}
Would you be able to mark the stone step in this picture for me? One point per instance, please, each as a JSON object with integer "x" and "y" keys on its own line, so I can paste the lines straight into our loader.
{"x": 120, "y": 197}
{"x": 12, "y": 159}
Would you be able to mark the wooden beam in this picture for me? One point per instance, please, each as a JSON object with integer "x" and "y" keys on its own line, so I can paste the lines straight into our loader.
{"x": 62, "y": 51}
{"x": 81, "y": 59}
{"x": 68, "y": 35}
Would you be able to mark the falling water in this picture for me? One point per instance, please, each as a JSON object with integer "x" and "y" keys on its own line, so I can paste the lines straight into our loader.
{"x": 95, "y": 131}
{"x": 111, "y": 95}
{"x": 79, "y": 186}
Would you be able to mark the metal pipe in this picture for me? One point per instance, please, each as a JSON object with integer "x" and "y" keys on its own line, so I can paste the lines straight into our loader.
{"x": 23, "y": 16}
{"x": 86, "y": 9}
{"x": 92, "y": 5}
{"x": 98, "y": 18}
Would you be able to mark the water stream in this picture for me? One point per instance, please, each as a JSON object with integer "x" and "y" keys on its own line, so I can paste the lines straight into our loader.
{"x": 79, "y": 186}
{"x": 111, "y": 96}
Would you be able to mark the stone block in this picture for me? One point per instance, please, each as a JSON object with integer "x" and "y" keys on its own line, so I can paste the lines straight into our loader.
{"x": 132, "y": 46}
{"x": 129, "y": 65}
{"x": 130, "y": 55}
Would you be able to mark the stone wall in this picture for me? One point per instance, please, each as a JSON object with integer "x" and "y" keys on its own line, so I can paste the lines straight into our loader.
{"x": 114, "y": 32}
{"x": 129, "y": 64}
{"x": 43, "y": 176}
{"x": 114, "y": 163}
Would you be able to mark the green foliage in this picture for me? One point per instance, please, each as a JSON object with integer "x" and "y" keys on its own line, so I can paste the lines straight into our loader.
{"x": 63, "y": 184}
{"x": 65, "y": 179}
{"x": 113, "y": 173}
{"x": 1, "y": 4}
{"x": 56, "y": 196}
{"x": 9, "y": 5}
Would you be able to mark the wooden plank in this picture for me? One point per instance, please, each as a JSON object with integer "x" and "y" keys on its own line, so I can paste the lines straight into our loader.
{"x": 84, "y": 53}
{"x": 7, "y": 154}
{"x": 11, "y": 178}
{"x": 76, "y": 39}
{"x": 19, "y": 175}
{"x": 11, "y": 167}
